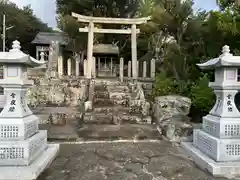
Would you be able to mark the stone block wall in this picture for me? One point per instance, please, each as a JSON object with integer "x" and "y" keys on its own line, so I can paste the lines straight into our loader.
{"x": 57, "y": 92}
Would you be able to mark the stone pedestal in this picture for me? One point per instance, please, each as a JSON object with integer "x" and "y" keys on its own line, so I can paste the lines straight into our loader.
{"x": 24, "y": 152}
{"x": 217, "y": 145}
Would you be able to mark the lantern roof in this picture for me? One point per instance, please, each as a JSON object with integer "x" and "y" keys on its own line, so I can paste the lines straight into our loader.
{"x": 226, "y": 59}
{"x": 16, "y": 56}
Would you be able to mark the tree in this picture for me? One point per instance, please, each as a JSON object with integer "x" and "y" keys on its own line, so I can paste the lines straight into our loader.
{"x": 170, "y": 20}
{"x": 25, "y": 25}
{"x": 228, "y": 4}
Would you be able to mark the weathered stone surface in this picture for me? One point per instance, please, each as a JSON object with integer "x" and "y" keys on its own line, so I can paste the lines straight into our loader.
{"x": 138, "y": 102}
{"x": 115, "y": 132}
{"x": 120, "y": 98}
{"x": 64, "y": 133}
{"x": 176, "y": 130}
{"x": 170, "y": 114}
{"x": 57, "y": 119}
{"x": 166, "y": 106}
{"x": 64, "y": 92}
{"x": 124, "y": 161}
{"x": 57, "y": 115}
{"x": 132, "y": 119}
{"x": 115, "y": 103}
{"x": 98, "y": 118}
{"x": 102, "y": 102}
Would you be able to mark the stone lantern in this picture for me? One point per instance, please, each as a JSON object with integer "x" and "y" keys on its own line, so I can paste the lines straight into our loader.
{"x": 216, "y": 147}
{"x": 24, "y": 152}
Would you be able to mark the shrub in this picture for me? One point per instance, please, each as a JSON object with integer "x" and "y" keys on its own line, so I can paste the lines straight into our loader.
{"x": 164, "y": 85}
{"x": 202, "y": 96}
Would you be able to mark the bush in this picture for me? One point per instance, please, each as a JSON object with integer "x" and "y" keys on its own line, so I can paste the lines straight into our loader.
{"x": 164, "y": 85}
{"x": 203, "y": 97}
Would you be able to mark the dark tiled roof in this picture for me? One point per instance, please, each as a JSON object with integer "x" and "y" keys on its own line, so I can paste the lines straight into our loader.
{"x": 47, "y": 37}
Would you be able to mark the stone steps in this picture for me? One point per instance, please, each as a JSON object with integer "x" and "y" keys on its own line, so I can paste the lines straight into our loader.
{"x": 100, "y": 88}
{"x": 115, "y": 118}
{"x": 102, "y": 102}
{"x": 118, "y": 132}
{"x": 56, "y": 115}
{"x": 93, "y": 118}
{"x": 101, "y": 94}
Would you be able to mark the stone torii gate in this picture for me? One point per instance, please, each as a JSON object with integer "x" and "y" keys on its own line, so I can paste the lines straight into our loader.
{"x": 106, "y": 20}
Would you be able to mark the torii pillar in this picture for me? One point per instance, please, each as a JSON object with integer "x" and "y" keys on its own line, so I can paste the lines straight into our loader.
{"x": 134, "y": 51}
{"x": 90, "y": 50}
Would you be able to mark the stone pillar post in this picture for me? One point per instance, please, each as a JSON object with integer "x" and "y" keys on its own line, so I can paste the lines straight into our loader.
{"x": 77, "y": 61}
{"x": 94, "y": 67}
{"x": 69, "y": 67}
{"x": 153, "y": 68}
{"x": 90, "y": 49}
{"x": 121, "y": 69}
{"x": 60, "y": 66}
{"x": 99, "y": 65}
{"x": 85, "y": 67}
{"x": 144, "y": 69}
{"x": 111, "y": 67}
{"x": 54, "y": 51}
{"x": 129, "y": 69}
{"x": 134, "y": 51}
{"x": 137, "y": 68}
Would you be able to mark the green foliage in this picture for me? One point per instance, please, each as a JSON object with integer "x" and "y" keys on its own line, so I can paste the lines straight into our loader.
{"x": 165, "y": 85}
{"x": 202, "y": 96}
{"x": 25, "y": 25}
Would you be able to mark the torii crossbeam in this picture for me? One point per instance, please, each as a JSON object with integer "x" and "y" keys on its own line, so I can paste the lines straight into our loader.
{"x": 106, "y": 20}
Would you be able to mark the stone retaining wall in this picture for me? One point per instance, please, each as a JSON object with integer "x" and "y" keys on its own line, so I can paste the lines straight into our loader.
{"x": 57, "y": 92}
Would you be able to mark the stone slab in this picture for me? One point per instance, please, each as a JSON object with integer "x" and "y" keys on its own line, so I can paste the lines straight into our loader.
{"x": 159, "y": 160}
{"x": 224, "y": 169}
{"x": 93, "y": 132}
{"x": 34, "y": 170}
{"x": 66, "y": 132}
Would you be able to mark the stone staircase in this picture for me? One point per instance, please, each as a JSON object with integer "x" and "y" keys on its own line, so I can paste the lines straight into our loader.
{"x": 113, "y": 117}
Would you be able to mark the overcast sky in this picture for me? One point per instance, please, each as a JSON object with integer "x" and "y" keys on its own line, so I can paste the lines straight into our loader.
{"x": 45, "y": 9}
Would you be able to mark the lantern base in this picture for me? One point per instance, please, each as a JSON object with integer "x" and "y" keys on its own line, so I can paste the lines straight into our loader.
{"x": 23, "y": 153}
{"x": 35, "y": 169}
{"x": 225, "y": 169}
